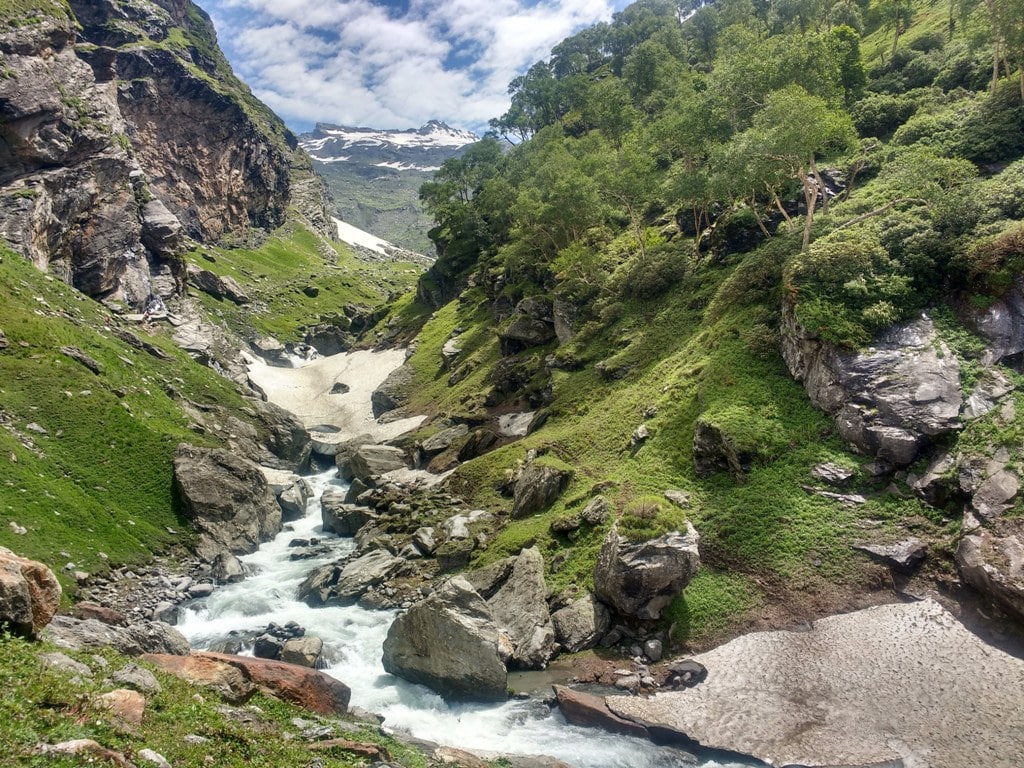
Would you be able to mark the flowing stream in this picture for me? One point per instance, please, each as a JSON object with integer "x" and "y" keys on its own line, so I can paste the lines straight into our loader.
{"x": 352, "y": 644}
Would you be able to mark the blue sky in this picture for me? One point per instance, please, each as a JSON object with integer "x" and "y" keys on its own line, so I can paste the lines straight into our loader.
{"x": 392, "y": 63}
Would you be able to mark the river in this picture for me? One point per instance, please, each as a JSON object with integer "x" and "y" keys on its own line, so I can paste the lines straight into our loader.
{"x": 352, "y": 644}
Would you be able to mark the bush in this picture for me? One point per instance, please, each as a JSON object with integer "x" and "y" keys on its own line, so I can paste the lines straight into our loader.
{"x": 993, "y": 130}
{"x": 880, "y": 114}
{"x": 964, "y": 68}
{"x": 649, "y": 517}
{"x": 1003, "y": 195}
{"x": 847, "y": 287}
{"x": 928, "y": 41}
{"x": 663, "y": 266}
{"x": 993, "y": 263}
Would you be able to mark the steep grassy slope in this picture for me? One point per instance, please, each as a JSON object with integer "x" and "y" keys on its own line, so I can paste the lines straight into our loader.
{"x": 705, "y": 350}
{"x": 99, "y": 479}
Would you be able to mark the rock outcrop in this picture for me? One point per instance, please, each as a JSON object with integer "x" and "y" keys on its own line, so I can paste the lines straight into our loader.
{"x": 890, "y": 400}
{"x": 393, "y": 392}
{"x": 536, "y": 488}
{"x": 123, "y": 130}
{"x": 29, "y": 594}
{"x": 227, "y": 498}
{"x": 641, "y": 579}
{"x": 132, "y": 640}
{"x": 450, "y": 643}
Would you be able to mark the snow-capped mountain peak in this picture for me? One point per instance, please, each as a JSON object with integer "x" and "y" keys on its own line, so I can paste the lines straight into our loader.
{"x": 434, "y": 135}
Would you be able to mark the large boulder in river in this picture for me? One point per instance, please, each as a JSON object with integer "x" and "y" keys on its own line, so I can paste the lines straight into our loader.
{"x": 641, "y": 579}
{"x": 449, "y": 642}
{"x": 227, "y": 499}
{"x": 29, "y": 594}
{"x": 536, "y": 488}
{"x": 520, "y": 609}
{"x": 890, "y": 400}
{"x": 344, "y": 583}
{"x": 373, "y": 460}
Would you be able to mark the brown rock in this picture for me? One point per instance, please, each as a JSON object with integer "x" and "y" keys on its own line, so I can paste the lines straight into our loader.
{"x": 591, "y": 711}
{"x": 309, "y": 688}
{"x": 29, "y": 594}
{"x": 125, "y": 705}
{"x": 100, "y": 613}
{"x": 228, "y": 681}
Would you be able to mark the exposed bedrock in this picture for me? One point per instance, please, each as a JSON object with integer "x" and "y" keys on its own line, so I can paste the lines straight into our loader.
{"x": 890, "y": 400}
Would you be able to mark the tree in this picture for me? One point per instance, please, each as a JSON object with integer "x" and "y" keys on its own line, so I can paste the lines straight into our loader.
{"x": 783, "y": 141}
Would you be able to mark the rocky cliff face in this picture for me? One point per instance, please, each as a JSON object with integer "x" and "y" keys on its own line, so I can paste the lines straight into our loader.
{"x": 122, "y": 130}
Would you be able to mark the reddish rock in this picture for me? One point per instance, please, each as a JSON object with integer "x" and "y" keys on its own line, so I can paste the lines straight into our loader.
{"x": 592, "y": 711}
{"x": 125, "y": 705}
{"x": 29, "y": 594}
{"x": 311, "y": 689}
{"x": 228, "y": 681}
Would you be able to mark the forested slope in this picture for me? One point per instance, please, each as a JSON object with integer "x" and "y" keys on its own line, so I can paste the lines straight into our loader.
{"x": 674, "y": 199}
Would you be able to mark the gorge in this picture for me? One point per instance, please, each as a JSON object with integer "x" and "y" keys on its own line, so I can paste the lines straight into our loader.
{"x": 705, "y": 408}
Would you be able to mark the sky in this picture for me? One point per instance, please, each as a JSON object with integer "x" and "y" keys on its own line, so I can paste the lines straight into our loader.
{"x": 392, "y": 63}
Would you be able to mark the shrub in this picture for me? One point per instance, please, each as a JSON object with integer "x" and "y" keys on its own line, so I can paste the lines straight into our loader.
{"x": 649, "y": 517}
{"x": 655, "y": 272}
{"x": 880, "y": 114}
{"x": 847, "y": 287}
{"x": 1003, "y": 195}
{"x": 993, "y": 262}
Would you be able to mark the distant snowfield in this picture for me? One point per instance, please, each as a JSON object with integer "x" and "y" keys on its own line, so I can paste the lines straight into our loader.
{"x": 356, "y": 236}
{"x": 409, "y": 167}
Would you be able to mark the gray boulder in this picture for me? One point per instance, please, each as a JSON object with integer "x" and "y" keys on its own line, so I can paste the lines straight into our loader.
{"x": 991, "y": 559}
{"x": 890, "y": 400}
{"x": 393, "y": 393}
{"x": 227, "y": 569}
{"x": 443, "y": 440}
{"x": 133, "y": 640}
{"x": 161, "y": 230}
{"x": 304, "y": 651}
{"x": 227, "y": 499}
{"x": 581, "y": 624}
{"x": 531, "y": 325}
{"x": 903, "y": 556}
{"x": 344, "y": 584}
{"x": 596, "y": 511}
{"x": 293, "y": 500}
{"x": 536, "y": 488}
{"x": 344, "y": 519}
{"x": 373, "y": 460}
{"x": 449, "y": 642}
{"x": 1001, "y": 324}
{"x": 642, "y": 579}
{"x": 520, "y": 609}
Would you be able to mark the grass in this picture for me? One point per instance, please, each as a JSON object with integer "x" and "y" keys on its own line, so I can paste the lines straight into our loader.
{"x": 18, "y": 13}
{"x": 276, "y": 273}
{"x": 100, "y": 479}
{"x": 44, "y": 706}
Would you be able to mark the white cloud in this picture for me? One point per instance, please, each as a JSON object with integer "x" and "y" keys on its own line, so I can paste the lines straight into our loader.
{"x": 354, "y": 63}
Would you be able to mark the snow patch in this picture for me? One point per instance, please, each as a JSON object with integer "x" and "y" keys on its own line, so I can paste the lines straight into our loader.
{"x": 356, "y": 236}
